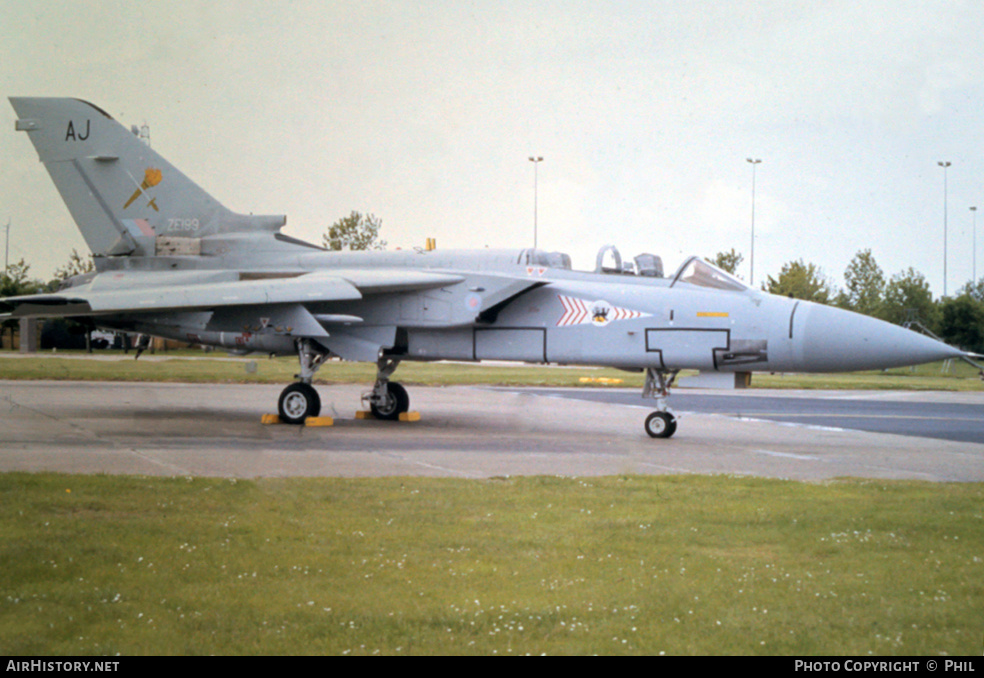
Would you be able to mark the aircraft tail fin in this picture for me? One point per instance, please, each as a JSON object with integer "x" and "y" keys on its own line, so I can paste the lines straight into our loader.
{"x": 125, "y": 198}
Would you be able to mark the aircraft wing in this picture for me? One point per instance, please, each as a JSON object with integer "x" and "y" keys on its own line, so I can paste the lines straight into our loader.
{"x": 174, "y": 292}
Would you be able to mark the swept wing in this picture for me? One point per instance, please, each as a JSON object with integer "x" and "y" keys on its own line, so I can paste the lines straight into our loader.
{"x": 115, "y": 293}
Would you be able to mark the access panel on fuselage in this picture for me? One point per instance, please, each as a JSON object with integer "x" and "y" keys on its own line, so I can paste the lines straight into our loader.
{"x": 679, "y": 348}
{"x": 525, "y": 344}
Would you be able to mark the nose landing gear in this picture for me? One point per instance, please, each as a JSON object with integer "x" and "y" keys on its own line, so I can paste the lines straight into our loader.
{"x": 663, "y": 422}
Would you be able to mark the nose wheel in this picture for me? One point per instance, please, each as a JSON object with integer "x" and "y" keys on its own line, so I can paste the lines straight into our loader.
{"x": 662, "y": 423}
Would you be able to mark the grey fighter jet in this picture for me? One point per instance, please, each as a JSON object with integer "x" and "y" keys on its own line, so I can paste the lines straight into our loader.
{"x": 172, "y": 262}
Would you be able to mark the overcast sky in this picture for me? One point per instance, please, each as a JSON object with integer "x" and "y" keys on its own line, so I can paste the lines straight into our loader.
{"x": 424, "y": 113}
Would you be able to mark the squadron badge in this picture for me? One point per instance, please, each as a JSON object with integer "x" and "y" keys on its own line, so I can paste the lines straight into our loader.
{"x": 598, "y": 313}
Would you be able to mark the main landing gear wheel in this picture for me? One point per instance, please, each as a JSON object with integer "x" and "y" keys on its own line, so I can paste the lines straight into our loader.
{"x": 661, "y": 425}
{"x": 395, "y": 402}
{"x": 298, "y": 402}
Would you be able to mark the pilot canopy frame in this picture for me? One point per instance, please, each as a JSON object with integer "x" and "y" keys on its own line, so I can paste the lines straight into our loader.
{"x": 696, "y": 271}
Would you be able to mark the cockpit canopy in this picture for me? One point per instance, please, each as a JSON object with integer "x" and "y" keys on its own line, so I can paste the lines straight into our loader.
{"x": 696, "y": 271}
{"x": 693, "y": 271}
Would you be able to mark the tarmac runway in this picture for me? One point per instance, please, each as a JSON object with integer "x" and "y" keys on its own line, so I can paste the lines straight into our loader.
{"x": 476, "y": 432}
{"x": 945, "y": 416}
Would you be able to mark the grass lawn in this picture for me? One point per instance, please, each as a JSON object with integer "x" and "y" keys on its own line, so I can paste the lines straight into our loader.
{"x": 617, "y": 565}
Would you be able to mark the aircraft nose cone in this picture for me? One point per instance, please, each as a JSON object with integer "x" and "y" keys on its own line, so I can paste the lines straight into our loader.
{"x": 835, "y": 340}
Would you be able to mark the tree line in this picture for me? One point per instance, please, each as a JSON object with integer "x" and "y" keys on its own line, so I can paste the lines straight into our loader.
{"x": 902, "y": 299}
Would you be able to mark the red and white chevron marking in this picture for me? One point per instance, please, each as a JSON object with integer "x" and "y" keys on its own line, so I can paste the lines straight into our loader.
{"x": 625, "y": 314}
{"x": 575, "y": 311}
{"x": 581, "y": 312}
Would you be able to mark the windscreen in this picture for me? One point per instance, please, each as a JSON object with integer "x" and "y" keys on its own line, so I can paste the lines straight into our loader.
{"x": 696, "y": 271}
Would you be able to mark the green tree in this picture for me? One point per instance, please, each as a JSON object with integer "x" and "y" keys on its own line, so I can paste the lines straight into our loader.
{"x": 800, "y": 280}
{"x": 77, "y": 265}
{"x": 727, "y": 261}
{"x": 962, "y": 322}
{"x": 865, "y": 285}
{"x": 907, "y": 298}
{"x": 354, "y": 232}
{"x": 974, "y": 289}
{"x": 15, "y": 281}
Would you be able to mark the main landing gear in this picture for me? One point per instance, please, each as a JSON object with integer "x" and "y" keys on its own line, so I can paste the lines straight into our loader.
{"x": 387, "y": 399}
{"x": 299, "y": 400}
{"x": 662, "y": 423}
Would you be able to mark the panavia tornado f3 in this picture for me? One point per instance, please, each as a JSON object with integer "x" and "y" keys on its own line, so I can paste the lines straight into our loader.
{"x": 172, "y": 262}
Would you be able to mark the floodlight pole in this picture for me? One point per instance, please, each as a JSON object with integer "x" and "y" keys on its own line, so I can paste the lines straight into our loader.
{"x": 536, "y": 164}
{"x": 751, "y": 260}
{"x": 973, "y": 211}
{"x": 6, "y": 248}
{"x": 944, "y": 165}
